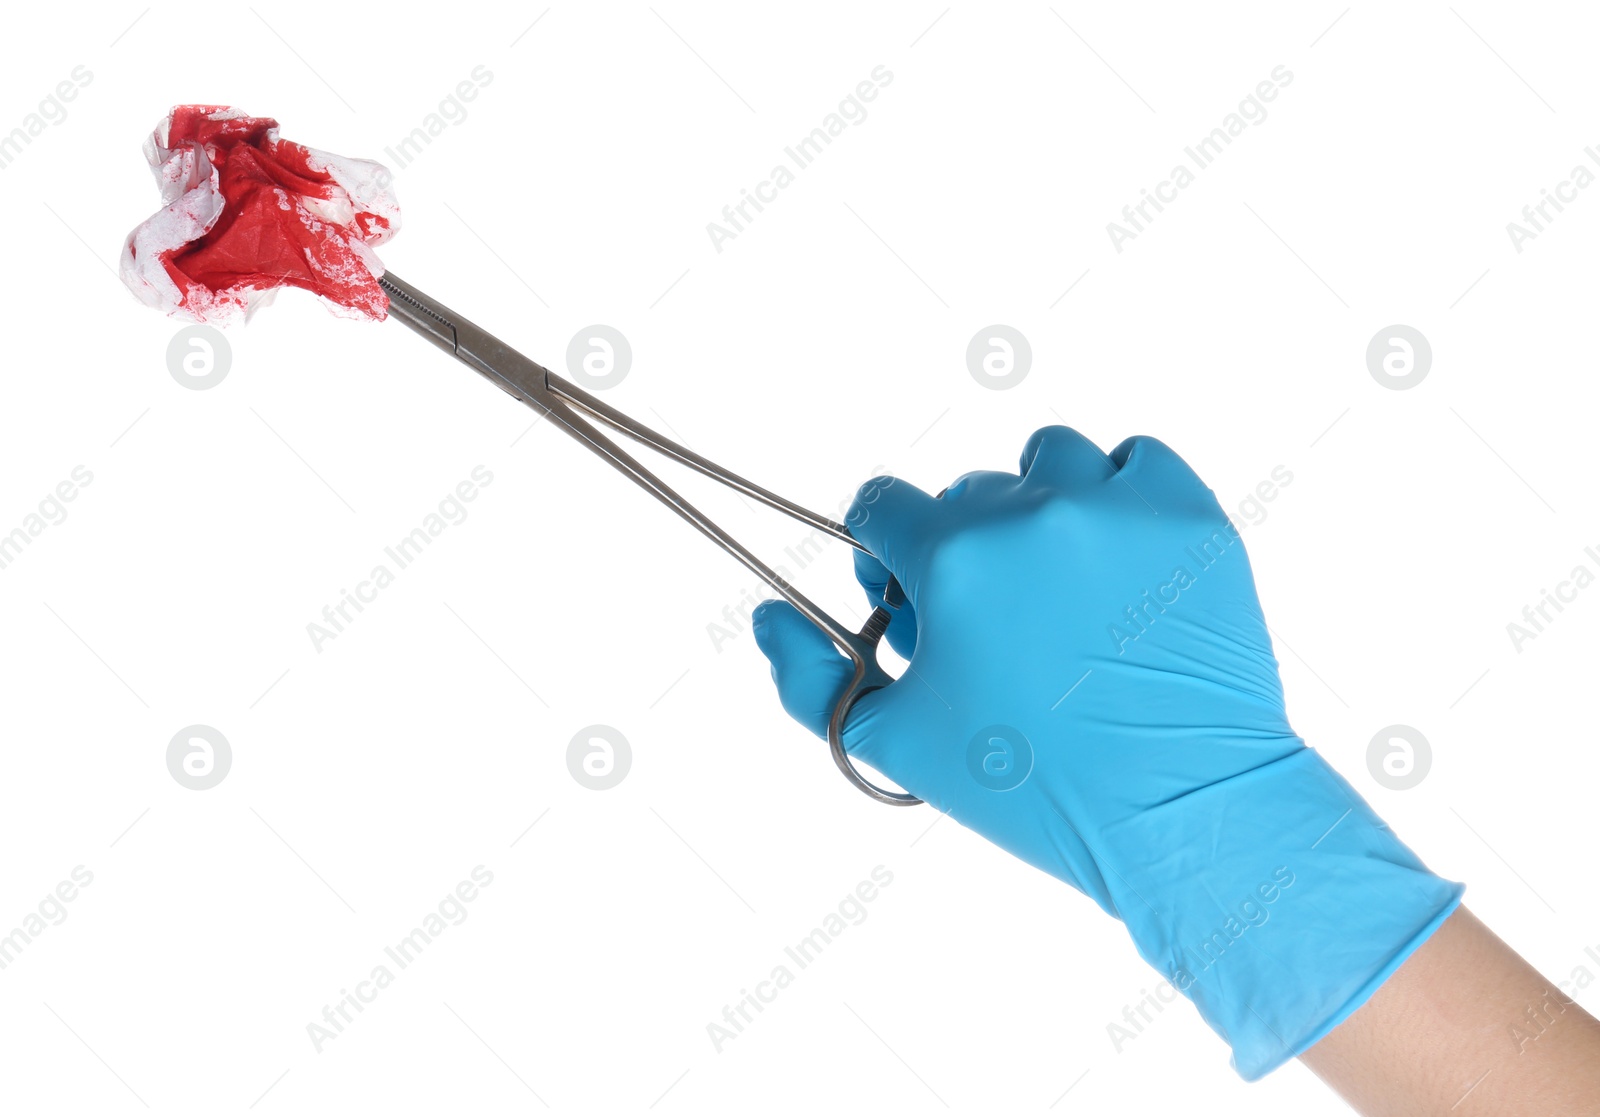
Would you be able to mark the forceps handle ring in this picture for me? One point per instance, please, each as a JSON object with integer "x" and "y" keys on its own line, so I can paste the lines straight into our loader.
{"x": 868, "y": 676}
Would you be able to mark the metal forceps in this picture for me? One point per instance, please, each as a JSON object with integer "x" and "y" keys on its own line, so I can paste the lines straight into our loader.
{"x": 566, "y": 405}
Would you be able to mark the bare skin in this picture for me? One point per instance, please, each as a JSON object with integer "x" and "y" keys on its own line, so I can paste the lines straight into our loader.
{"x": 1465, "y": 1027}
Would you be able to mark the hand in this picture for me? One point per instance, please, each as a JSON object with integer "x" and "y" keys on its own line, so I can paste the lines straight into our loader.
{"x": 1091, "y": 686}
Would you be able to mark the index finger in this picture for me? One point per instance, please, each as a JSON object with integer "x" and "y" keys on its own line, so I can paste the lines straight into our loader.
{"x": 891, "y": 518}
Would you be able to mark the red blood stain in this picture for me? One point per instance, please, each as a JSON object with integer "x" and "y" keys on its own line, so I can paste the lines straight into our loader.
{"x": 249, "y": 212}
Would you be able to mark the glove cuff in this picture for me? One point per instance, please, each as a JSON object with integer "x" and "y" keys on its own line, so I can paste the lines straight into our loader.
{"x": 1277, "y": 902}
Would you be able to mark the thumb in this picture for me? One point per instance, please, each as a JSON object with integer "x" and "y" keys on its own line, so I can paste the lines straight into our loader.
{"x": 809, "y": 671}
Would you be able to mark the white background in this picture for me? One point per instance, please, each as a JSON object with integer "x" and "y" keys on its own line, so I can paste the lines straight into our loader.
{"x": 823, "y": 344}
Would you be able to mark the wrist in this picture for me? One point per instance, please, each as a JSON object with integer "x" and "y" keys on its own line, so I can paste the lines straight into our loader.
{"x": 1278, "y": 903}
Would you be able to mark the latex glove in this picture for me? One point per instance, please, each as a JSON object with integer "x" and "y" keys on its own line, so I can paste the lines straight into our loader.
{"x": 1092, "y": 687}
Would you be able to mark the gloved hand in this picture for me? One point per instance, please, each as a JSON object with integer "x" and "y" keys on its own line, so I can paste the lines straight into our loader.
{"x": 1092, "y": 687}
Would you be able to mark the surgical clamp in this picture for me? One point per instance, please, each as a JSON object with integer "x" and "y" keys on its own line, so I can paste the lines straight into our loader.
{"x": 562, "y": 401}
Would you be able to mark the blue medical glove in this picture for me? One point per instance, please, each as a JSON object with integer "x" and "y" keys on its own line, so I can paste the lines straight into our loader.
{"x": 1092, "y": 687}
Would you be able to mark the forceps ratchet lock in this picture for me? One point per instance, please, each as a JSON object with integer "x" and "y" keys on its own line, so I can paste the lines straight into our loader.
{"x": 566, "y": 405}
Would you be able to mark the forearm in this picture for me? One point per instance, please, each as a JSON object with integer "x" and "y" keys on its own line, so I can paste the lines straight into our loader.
{"x": 1465, "y": 1026}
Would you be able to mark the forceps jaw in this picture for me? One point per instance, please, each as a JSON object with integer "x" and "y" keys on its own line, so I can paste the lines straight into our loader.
{"x": 533, "y": 384}
{"x": 480, "y": 350}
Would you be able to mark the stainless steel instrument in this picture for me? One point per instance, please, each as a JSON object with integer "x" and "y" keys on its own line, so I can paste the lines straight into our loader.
{"x": 571, "y": 408}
